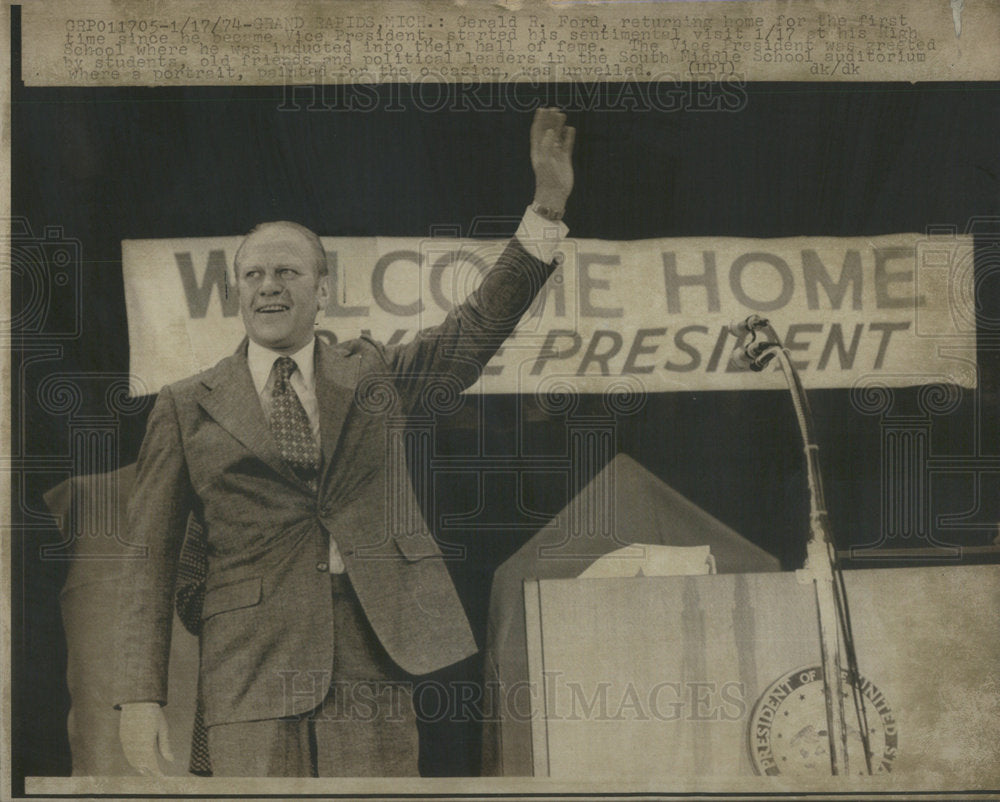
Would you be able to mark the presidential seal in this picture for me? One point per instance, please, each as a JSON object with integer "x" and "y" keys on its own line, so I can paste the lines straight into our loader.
{"x": 788, "y": 734}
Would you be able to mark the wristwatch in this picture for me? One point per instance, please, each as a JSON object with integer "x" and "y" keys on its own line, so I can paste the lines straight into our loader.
{"x": 553, "y": 215}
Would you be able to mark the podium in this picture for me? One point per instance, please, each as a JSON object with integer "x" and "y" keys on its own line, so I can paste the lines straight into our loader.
{"x": 623, "y": 504}
{"x": 719, "y": 675}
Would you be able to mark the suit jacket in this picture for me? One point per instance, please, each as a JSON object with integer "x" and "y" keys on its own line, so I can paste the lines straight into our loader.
{"x": 267, "y": 624}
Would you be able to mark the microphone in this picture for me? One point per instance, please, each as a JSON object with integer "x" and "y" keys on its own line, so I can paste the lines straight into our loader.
{"x": 754, "y": 355}
{"x": 762, "y": 344}
{"x": 740, "y": 328}
{"x": 741, "y": 359}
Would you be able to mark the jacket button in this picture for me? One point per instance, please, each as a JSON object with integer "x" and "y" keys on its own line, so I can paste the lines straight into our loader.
{"x": 322, "y": 567}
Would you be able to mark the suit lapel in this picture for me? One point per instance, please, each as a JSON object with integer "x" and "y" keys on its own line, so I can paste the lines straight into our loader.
{"x": 336, "y": 378}
{"x": 232, "y": 403}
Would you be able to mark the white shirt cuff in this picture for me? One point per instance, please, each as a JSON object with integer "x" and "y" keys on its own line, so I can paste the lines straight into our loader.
{"x": 541, "y": 237}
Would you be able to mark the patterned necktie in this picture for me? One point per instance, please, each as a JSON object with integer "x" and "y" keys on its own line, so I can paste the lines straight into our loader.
{"x": 290, "y": 424}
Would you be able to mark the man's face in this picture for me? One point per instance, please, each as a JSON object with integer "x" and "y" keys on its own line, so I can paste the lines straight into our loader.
{"x": 279, "y": 288}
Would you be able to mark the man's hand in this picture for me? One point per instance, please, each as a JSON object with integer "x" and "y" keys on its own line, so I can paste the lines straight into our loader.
{"x": 143, "y": 731}
{"x": 551, "y": 152}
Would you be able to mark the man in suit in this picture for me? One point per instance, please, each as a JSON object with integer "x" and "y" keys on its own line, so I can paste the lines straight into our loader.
{"x": 318, "y": 605}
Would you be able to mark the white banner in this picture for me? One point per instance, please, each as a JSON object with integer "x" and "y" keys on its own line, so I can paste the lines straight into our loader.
{"x": 647, "y": 315}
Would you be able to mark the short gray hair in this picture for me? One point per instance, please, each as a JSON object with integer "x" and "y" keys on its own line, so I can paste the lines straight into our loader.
{"x": 322, "y": 268}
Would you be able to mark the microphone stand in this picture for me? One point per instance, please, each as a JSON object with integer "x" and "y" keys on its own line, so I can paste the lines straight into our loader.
{"x": 821, "y": 567}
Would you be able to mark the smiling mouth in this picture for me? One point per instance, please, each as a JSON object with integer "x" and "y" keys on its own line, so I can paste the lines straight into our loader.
{"x": 272, "y": 308}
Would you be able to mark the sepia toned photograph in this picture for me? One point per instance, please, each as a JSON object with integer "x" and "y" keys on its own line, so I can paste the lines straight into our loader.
{"x": 502, "y": 400}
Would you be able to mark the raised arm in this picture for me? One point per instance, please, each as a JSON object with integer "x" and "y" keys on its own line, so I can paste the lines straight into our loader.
{"x": 457, "y": 350}
{"x": 551, "y": 159}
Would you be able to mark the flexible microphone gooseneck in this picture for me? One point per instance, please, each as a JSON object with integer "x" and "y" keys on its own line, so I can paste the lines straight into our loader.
{"x": 760, "y": 345}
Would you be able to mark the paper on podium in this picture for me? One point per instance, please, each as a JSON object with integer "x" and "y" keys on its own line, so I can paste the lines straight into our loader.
{"x": 645, "y": 559}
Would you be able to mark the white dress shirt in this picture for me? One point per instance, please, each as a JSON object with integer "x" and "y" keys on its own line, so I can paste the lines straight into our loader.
{"x": 303, "y": 380}
{"x": 539, "y": 236}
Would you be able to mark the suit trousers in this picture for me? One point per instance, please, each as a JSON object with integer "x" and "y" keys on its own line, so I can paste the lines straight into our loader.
{"x": 363, "y": 724}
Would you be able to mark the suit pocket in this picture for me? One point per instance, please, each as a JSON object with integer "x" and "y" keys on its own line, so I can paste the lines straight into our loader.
{"x": 232, "y": 597}
{"x": 416, "y": 547}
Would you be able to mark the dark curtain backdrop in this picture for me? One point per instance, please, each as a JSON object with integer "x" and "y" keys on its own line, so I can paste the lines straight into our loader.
{"x": 103, "y": 165}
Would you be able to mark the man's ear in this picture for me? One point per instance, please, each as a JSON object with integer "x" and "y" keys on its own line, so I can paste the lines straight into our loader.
{"x": 232, "y": 285}
{"x": 323, "y": 292}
